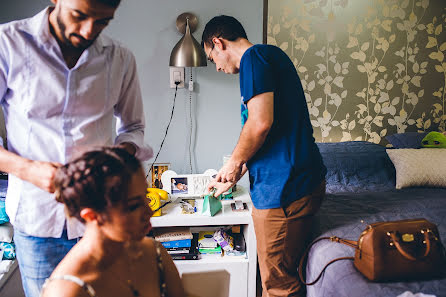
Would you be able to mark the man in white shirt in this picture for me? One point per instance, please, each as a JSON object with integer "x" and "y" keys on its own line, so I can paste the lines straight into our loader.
{"x": 61, "y": 83}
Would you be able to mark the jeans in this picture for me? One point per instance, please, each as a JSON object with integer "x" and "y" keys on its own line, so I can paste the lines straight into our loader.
{"x": 38, "y": 257}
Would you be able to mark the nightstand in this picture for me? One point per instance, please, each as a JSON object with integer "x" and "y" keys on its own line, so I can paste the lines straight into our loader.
{"x": 241, "y": 271}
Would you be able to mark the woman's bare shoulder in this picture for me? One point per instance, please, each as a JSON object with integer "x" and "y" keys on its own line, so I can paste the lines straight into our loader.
{"x": 69, "y": 276}
{"x": 62, "y": 287}
{"x": 76, "y": 262}
{"x": 148, "y": 243}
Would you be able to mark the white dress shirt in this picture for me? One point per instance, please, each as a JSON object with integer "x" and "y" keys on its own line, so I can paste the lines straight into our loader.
{"x": 53, "y": 113}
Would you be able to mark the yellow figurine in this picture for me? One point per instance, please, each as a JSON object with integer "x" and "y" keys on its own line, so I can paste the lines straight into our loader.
{"x": 155, "y": 196}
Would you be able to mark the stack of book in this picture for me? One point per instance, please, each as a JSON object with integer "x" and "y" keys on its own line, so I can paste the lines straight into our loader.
{"x": 224, "y": 242}
{"x": 207, "y": 244}
{"x": 179, "y": 242}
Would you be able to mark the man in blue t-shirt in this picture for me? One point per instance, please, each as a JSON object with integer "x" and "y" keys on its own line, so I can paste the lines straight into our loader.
{"x": 276, "y": 145}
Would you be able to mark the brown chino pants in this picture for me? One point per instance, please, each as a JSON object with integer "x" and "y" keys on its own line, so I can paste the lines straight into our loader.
{"x": 282, "y": 236}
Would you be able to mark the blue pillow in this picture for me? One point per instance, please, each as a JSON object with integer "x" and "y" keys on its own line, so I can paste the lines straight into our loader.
{"x": 406, "y": 140}
{"x": 3, "y": 186}
{"x": 357, "y": 166}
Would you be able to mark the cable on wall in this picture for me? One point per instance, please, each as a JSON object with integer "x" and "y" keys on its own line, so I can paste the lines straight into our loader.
{"x": 190, "y": 119}
{"x": 167, "y": 129}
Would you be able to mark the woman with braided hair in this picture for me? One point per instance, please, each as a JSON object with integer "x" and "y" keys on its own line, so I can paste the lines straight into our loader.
{"x": 106, "y": 189}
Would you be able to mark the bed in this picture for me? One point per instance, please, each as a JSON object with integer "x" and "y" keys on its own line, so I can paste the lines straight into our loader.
{"x": 361, "y": 186}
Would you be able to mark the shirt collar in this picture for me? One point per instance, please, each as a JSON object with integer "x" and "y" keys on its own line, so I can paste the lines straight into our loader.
{"x": 39, "y": 26}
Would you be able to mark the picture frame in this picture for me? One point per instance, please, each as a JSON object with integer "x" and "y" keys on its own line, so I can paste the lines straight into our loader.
{"x": 157, "y": 171}
{"x": 187, "y": 185}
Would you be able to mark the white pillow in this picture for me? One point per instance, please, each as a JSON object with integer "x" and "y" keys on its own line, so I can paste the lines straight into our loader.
{"x": 5, "y": 266}
{"x": 419, "y": 167}
{"x": 6, "y": 232}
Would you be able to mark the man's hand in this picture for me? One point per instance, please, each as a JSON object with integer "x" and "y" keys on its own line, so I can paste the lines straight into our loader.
{"x": 230, "y": 172}
{"x": 129, "y": 147}
{"x": 220, "y": 187}
{"x": 224, "y": 186}
{"x": 41, "y": 174}
{"x": 227, "y": 177}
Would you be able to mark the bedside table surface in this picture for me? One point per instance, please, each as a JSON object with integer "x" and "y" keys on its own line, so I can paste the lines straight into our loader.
{"x": 172, "y": 215}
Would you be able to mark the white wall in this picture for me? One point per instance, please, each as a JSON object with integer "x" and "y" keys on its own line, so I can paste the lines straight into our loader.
{"x": 148, "y": 28}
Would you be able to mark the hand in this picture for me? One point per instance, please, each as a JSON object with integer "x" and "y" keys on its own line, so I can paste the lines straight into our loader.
{"x": 128, "y": 146}
{"x": 42, "y": 174}
{"x": 220, "y": 187}
{"x": 230, "y": 172}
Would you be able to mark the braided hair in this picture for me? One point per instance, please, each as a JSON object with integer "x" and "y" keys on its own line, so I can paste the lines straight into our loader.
{"x": 98, "y": 179}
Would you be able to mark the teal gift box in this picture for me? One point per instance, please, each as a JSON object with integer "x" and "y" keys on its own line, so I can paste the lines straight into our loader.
{"x": 211, "y": 204}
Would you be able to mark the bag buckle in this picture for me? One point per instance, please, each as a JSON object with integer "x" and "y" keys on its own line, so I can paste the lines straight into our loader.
{"x": 334, "y": 238}
{"x": 407, "y": 237}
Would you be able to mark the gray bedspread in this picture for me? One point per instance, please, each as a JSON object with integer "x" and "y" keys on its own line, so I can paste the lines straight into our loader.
{"x": 341, "y": 215}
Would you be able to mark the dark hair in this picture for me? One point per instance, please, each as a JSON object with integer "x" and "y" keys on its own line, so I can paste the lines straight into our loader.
{"x": 223, "y": 26}
{"x": 98, "y": 179}
{"x": 111, "y": 3}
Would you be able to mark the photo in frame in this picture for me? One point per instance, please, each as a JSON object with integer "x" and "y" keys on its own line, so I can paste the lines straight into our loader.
{"x": 179, "y": 185}
{"x": 187, "y": 185}
{"x": 157, "y": 170}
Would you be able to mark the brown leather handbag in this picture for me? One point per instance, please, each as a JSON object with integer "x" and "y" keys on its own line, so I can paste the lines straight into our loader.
{"x": 390, "y": 251}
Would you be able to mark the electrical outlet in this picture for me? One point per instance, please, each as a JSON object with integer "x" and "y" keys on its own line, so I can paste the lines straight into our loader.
{"x": 176, "y": 74}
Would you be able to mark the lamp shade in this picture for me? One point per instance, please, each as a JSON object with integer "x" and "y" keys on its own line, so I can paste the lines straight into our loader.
{"x": 188, "y": 52}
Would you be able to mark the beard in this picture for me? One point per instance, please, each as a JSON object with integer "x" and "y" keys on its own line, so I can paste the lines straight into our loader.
{"x": 84, "y": 44}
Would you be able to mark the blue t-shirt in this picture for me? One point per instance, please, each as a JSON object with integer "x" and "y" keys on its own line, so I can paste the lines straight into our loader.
{"x": 288, "y": 166}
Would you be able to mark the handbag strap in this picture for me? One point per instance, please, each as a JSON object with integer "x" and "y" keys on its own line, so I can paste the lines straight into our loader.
{"x": 350, "y": 243}
{"x": 406, "y": 254}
